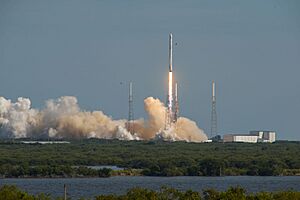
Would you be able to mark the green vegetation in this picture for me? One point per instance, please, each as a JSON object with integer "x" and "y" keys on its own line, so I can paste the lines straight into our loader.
{"x": 234, "y": 193}
{"x": 10, "y": 171}
{"x": 148, "y": 158}
{"x": 9, "y": 192}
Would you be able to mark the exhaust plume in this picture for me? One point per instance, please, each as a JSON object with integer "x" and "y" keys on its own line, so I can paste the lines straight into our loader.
{"x": 62, "y": 118}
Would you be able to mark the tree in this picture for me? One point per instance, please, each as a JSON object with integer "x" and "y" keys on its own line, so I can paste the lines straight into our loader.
{"x": 211, "y": 167}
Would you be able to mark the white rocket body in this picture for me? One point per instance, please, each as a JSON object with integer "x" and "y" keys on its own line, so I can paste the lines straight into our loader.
{"x": 170, "y": 85}
{"x": 170, "y": 52}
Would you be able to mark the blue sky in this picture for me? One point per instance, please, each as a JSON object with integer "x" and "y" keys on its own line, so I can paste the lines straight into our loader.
{"x": 87, "y": 48}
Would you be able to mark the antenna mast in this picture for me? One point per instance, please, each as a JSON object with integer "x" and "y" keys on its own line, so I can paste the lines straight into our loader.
{"x": 213, "y": 130}
{"x": 130, "y": 110}
{"x": 176, "y": 112}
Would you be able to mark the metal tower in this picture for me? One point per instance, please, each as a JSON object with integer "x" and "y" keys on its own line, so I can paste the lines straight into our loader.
{"x": 130, "y": 127}
{"x": 176, "y": 111}
{"x": 213, "y": 123}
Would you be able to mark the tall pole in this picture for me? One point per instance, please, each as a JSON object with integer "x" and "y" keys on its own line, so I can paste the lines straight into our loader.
{"x": 213, "y": 130}
{"x": 130, "y": 110}
{"x": 65, "y": 192}
{"x": 176, "y": 112}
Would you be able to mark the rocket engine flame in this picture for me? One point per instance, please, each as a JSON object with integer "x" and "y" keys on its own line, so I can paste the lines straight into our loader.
{"x": 170, "y": 93}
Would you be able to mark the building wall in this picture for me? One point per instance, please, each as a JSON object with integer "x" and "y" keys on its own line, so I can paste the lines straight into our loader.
{"x": 265, "y": 136}
{"x": 269, "y": 136}
{"x": 252, "y": 137}
{"x": 228, "y": 138}
{"x": 240, "y": 138}
{"x": 246, "y": 138}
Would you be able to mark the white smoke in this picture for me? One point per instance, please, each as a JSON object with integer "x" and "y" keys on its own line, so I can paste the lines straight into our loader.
{"x": 62, "y": 118}
{"x": 16, "y": 119}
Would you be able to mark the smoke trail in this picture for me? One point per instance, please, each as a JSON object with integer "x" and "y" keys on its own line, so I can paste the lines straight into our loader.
{"x": 62, "y": 118}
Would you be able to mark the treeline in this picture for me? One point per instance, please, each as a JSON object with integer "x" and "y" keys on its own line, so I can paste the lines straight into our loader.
{"x": 9, "y": 171}
{"x": 151, "y": 158}
{"x": 233, "y": 193}
{"x": 208, "y": 167}
{"x": 214, "y": 167}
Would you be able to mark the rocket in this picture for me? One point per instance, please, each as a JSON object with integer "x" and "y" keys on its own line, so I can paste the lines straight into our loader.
{"x": 170, "y": 52}
{"x": 170, "y": 116}
{"x": 172, "y": 110}
{"x": 170, "y": 89}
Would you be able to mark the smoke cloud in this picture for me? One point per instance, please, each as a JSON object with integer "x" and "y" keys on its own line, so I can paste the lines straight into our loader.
{"x": 62, "y": 118}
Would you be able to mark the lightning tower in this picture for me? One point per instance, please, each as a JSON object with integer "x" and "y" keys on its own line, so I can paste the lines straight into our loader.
{"x": 176, "y": 104}
{"x": 213, "y": 123}
{"x": 130, "y": 110}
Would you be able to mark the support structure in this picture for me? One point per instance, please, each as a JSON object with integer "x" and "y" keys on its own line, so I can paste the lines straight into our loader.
{"x": 214, "y": 127}
{"x": 130, "y": 127}
{"x": 176, "y": 104}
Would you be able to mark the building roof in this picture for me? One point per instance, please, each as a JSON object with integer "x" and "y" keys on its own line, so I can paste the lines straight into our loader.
{"x": 239, "y": 134}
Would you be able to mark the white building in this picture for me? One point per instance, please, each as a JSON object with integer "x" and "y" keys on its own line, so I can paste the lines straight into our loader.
{"x": 45, "y": 142}
{"x": 252, "y": 137}
{"x": 240, "y": 138}
{"x": 265, "y": 136}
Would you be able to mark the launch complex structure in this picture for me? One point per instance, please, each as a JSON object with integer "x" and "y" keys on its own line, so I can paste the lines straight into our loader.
{"x": 130, "y": 122}
{"x": 213, "y": 120}
{"x": 172, "y": 110}
{"x": 172, "y": 105}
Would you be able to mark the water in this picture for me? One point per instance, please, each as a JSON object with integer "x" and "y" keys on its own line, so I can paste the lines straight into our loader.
{"x": 89, "y": 187}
